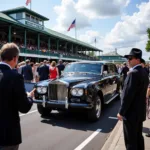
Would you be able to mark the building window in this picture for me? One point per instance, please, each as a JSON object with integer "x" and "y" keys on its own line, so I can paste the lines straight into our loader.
{"x": 40, "y": 22}
{"x": 32, "y": 18}
{"x": 19, "y": 16}
{"x": 37, "y": 20}
{"x": 28, "y": 17}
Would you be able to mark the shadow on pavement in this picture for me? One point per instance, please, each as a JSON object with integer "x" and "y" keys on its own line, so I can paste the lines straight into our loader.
{"x": 79, "y": 121}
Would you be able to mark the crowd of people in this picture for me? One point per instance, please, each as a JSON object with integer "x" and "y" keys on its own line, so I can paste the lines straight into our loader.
{"x": 44, "y": 49}
{"x": 34, "y": 72}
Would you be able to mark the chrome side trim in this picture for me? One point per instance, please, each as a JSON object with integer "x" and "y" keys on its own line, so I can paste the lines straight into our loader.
{"x": 111, "y": 99}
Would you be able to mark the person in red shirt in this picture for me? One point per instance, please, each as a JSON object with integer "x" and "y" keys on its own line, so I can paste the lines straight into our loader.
{"x": 53, "y": 70}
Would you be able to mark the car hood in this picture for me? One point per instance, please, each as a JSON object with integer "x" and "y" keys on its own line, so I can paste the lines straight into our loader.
{"x": 69, "y": 81}
{"x": 75, "y": 81}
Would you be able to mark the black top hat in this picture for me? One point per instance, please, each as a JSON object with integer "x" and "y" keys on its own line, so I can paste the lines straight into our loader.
{"x": 137, "y": 53}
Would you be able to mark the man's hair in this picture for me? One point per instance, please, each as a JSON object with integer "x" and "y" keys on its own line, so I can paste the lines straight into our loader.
{"x": 27, "y": 61}
{"x": 60, "y": 61}
{"x": 9, "y": 51}
{"x": 44, "y": 61}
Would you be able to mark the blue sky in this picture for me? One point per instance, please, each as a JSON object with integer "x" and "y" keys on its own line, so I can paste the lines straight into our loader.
{"x": 46, "y": 8}
{"x": 91, "y": 20}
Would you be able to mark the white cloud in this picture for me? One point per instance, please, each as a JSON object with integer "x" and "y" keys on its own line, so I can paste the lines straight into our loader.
{"x": 66, "y": 13}
{"x": 89, "y": 37}
{"x": 84, "y": 11}
{"x": 101, "y": 8}
{"x": 131, "y": 30}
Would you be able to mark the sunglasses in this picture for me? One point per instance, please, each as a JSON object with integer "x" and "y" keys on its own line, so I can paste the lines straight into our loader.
{"x": 130, "y": 58}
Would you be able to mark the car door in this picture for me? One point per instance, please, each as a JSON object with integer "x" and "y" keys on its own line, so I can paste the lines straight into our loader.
{"x": 111, "y": 79}
{"x": 105, "y": 83}
{"x": 114, "y": 78}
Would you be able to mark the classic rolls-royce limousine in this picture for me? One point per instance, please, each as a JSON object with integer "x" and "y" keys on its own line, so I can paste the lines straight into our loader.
{"x": 87, "y": 85}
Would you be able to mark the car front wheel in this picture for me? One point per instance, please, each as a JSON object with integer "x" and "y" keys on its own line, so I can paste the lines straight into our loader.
{"x": 43, "y": 111}
{"x": 95, "y": 113}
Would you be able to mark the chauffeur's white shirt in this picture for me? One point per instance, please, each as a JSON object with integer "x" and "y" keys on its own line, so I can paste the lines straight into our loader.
{"x": 134, "y": 67}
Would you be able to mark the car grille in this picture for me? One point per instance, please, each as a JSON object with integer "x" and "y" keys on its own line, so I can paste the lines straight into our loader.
{"x": 58, "y": 92}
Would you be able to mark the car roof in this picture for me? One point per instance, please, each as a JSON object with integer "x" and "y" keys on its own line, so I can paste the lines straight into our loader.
{"x": 92, "y": 62}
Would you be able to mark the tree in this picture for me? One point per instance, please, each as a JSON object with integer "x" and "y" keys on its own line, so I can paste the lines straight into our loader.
{"x": 92, "y": 54}
{"x": 148, "y": 42}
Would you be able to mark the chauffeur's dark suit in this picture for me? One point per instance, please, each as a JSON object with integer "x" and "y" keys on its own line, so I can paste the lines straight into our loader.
{"x": 133, "y": 108}
{"x": 13, "y": 99}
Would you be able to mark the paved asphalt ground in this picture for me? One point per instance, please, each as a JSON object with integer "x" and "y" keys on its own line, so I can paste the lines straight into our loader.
{"x": 66, "y": 131}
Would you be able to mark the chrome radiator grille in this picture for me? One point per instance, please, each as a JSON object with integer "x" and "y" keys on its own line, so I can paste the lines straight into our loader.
{"x": 58, "y": 92}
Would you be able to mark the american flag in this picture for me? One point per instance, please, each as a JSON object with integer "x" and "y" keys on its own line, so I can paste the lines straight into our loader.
{"x": 27, "y": 2}
{"x": 72, "y": 25}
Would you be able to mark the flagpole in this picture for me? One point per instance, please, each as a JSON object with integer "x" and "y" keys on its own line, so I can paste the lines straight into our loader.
{"x": 75, "y": 29}
{"x": 30, "y": 4}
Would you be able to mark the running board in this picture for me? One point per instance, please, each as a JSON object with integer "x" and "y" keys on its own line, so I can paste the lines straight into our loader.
{"x": 111, "y": 99}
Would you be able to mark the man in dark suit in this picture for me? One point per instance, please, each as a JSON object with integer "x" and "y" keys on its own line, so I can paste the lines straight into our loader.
{"x": 44, "y": 71}
{"x": 27, "y": 72}
{"x": 124, "y": 71}
{"x": 60, "y": 67}
{"x": 133, "y": 102}
{"x": 13, "y": 98}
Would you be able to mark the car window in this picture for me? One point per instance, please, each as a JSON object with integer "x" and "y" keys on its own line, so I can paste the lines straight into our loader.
{"x": 83, "y": 67}
{"x": 111, "y": 69}
{"x": 105, "y": 69}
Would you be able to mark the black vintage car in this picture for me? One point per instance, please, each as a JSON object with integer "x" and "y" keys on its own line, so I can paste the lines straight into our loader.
{"x": 83, "y": 85}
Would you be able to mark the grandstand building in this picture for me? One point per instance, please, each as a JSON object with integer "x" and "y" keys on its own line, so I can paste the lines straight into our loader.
{"x": 112, "y": 57}
{"x": 26, "y": 28}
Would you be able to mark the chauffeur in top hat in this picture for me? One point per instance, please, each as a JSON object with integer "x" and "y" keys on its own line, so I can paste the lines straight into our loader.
{"x": 135, "y": 54}
{"x": 133, "y": 102}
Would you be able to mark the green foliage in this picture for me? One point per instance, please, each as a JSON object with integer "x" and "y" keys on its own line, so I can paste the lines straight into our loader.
{"x": 92, "y": 54}
{"x": 148, "y": 42}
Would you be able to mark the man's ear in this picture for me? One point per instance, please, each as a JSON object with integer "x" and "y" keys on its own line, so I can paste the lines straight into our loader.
{"x": 15, "y": 59}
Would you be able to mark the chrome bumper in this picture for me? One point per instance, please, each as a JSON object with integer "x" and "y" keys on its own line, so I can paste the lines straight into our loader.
{"x": 61, "y": 104}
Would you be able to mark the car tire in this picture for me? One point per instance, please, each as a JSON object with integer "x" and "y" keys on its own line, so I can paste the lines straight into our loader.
{"x": 43, "y": 111}
{"x": 95, "y": 113}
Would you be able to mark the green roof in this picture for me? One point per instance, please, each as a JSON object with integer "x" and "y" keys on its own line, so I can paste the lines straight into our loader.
{"x": 7, "y": 17}
{"x": 68, "y": 38}
{"x": 47, "y": 31}
{"x": 24, "y": 9}
{"x": 114, "y": 53}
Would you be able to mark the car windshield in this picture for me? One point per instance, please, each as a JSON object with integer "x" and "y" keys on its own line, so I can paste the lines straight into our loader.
{"x": 83, "y": 67}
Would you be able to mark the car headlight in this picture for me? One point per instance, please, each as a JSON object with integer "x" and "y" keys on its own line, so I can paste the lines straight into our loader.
{"x": 41, "y": 90}
{"x": 77, "y": 92}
